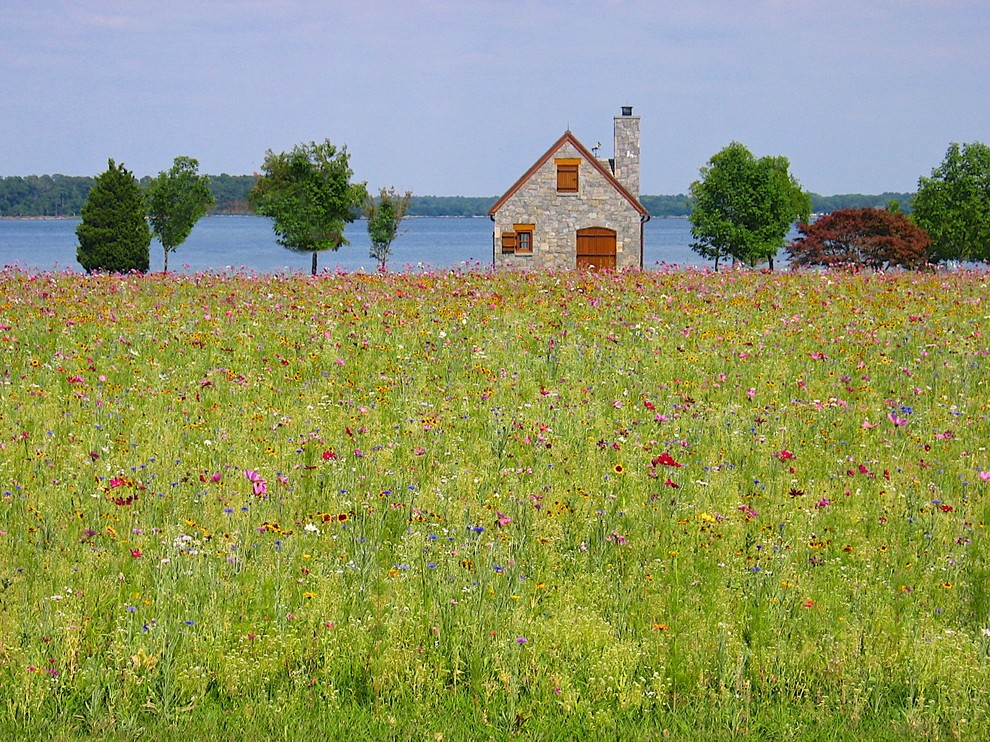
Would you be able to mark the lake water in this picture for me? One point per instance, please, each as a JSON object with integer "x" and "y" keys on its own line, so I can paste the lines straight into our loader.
{"x": 247, "y": 243}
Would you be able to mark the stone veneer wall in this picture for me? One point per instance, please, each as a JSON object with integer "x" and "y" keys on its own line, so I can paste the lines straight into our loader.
{"x": 558, "y": 216}
{"x": 627, "y": 152}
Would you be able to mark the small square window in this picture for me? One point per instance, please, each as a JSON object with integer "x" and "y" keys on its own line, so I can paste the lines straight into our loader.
{"x": 525, "y": 242}
{"x": 524, "y": 238}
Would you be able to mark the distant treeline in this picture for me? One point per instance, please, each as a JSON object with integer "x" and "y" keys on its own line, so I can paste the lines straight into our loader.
{"x": 680, "y": 205}
{"x": 64, "y": 195}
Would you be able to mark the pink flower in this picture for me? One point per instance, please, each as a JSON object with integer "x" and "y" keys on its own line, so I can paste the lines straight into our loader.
{"x": 258, "y": 484}
{"x": 747, "y": 511}
{"x": 867, "y": 425}
{"x": 503, "y": 520}
{"x": 984, "y": 475}
{"x": 896, "y": 419}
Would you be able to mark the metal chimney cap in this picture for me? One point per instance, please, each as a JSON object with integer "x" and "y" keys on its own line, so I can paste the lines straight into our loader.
{"x": 627, "y": 110}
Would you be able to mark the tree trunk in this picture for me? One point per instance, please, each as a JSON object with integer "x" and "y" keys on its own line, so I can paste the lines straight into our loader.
{"x": 165, "y": 269}
{"x": 314, "y": 262}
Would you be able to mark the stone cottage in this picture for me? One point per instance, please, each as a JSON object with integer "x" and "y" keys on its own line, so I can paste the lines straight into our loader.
{"x": 571, "y": 209}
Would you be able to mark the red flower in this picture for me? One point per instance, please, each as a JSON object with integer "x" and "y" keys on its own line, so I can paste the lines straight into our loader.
{"x": 784, "y": 455}
{"x": 136, "y": 553}
{"x": 666, "y": 459}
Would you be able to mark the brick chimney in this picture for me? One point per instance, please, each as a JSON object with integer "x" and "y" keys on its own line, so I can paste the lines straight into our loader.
{"x": 627, "y": 150}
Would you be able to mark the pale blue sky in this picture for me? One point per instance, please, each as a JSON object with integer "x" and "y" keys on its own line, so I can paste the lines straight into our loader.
{"x": 460, "y": 97}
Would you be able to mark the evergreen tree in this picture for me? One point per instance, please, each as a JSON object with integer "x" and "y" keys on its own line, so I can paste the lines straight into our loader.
{"x": 114, "y": 234}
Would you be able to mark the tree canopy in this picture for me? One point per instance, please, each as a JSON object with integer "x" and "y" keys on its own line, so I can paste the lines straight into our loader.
{"x": 953, "y": 205}
{"x": 309, "y": 196}
{"x": 114, "y": 234}
{"x": 744, "y": 206}
{"x": 871, "y": 238}
{"x": 177, "y": 199}
{"x": 384, "y": 215}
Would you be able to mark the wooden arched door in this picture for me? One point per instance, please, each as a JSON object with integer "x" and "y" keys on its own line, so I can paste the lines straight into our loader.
{"x": 596, "y": 248}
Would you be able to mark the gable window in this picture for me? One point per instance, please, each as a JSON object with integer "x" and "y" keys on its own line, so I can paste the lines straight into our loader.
{"x": 567, "y": 175}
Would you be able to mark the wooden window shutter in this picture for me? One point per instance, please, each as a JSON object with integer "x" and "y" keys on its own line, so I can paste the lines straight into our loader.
{"x": 510, "y": 240}
{"x": 567, "y": 177}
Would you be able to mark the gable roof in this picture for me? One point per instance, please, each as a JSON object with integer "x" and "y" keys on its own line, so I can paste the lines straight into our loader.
{"x": 569, "y": 138}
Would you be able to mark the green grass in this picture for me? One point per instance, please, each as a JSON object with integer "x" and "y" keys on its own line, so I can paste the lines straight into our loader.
{"x": 461, "y": 505}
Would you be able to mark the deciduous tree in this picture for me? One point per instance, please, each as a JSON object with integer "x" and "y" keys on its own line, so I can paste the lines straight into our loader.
{"x": 177, "y": 199}
{"x": 871, "y": 238}
{"x": 114, "y": 234}
{"x": 309, "y": 196}
{"x": 384, "y": 215}
{"x": 953, "y": 205}
{"x": 744, "y": 207}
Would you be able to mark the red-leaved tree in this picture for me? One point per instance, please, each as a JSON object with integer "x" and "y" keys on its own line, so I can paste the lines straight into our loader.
{"x": 869, "y": 238}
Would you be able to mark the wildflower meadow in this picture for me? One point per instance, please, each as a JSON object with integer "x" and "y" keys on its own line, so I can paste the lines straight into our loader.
{"x": 466, "y": 505}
